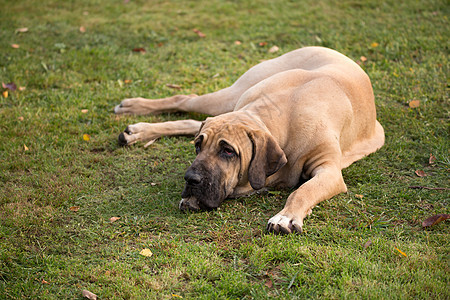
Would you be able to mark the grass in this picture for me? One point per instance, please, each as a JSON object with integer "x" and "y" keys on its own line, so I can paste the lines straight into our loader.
{"x": 49, "y": 251}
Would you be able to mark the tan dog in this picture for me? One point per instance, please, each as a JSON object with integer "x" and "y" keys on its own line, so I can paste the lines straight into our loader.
{"x": 305, "y": 115}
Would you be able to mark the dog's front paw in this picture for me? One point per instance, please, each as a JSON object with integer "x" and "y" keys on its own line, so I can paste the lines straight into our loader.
{"x": 285, "y": 223}
{"x": 133, "y": 106}
{"x": 138, "y": 132}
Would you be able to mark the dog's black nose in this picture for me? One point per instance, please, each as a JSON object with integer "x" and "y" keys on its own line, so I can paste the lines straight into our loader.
{"x": 192, "y": 178}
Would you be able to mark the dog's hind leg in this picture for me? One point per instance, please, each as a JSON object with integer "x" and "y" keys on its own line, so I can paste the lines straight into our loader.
{"x": 149, "y": 132}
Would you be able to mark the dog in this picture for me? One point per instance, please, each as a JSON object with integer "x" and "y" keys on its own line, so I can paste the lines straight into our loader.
{"x": 300, "y": 117}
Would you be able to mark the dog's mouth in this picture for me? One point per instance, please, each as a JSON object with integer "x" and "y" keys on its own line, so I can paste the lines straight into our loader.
{"x": 189, "y": 204}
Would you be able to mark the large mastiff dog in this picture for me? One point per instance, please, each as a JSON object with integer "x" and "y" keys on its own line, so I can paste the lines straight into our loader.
{"x": 301, "y": 117}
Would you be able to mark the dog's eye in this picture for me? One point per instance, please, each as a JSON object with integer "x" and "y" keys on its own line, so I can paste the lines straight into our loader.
{"x": 228, "y": 152}
{"x": 198, "y": 147}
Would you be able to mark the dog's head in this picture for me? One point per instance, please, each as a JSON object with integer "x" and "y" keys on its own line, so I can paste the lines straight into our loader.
{"x": 232, "y": 150}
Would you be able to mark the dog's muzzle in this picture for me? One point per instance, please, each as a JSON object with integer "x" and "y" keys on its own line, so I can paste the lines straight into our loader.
{"x": 189, "y": 204}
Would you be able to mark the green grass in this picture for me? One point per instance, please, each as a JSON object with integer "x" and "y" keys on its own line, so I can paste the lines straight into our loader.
{"x": 48, "y": 251}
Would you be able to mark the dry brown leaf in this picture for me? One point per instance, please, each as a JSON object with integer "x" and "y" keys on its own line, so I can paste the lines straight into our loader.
{"x": 414, "y": 103}
{"x": 359, "y": 196}
{"x": 269, "y": 283}
{"x": 22, "y": 88}
{"x": 146, "y": 252}
{"x": 367, "y": 244}
{"x": 113, "y": 219}
{"x": 44, "y": 281}
{"x": 199, "y": 33}
{"x": 237, "y": 42}
{"x": 127, "y": 81}
{"x": 21, "y": 118}
{"x": 363, "y": 58}
{"x": 436, "y": 219}
{"x": 82, "y": 29}
{"x": 432, "y": 159}
{"x": 107, "y": 273}
{"x": 10, "y": 86}
{"x": 15, "y": 46}
{"x": 25, "y": 147}
{"x": 262, "y": 44}
{"x": 141, "y": 50}
{"x": 274, "y": 49}
{"x": 89, "y": 295}
{"x": 420, "y": 173}
{"x": 174, "y": 86}
{"x": 74, "y": 208}
{"x": 22, "y": 30}
{"x": 84, "y": 111}
{"x": 401, "y": 252}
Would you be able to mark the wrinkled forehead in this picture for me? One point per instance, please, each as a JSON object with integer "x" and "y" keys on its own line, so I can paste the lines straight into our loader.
{"x": 217, "y": 130}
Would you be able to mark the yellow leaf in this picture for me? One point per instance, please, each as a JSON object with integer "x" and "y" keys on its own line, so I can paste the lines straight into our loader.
{"x": 414, "y": 103}
{"x": 5, "y": 94}
{"x": 146, "y": 252}
{"x": 176, "y": 296}
{"x": 400, "y": 251}
{"x": 86, "y": 137}
{"x": 25, "y": 147}
{"x": 113, "y": 219}
{"x": 374, "y": 45}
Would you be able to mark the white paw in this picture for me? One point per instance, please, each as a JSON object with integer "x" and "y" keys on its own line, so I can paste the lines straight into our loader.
{"x": 281, "y": 223}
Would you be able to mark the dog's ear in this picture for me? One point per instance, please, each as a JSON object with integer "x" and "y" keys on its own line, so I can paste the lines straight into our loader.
{"x": 267, "y": 158}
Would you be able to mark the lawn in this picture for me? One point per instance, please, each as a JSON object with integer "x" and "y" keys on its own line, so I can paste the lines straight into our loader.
{"x": 63, "y": 175}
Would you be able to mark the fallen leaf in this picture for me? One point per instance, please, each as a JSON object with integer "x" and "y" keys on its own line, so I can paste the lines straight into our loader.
{"x": 431, "y": 221}
{"x": 199, "y": 33}
{"x": 82, "y": 29}
{"x": 113, "y": 219}
{"x": 74, "y": 208}
{"x": 127, "y": 81}
{"x": 142, "y": 50}
{"x": 176, "y": 296}
{"x": 401, "y": 252}
{"x": 84, "y": 111}
{"x": 274, "y": 49}
{"x": 262, "y": 44}
{"x": 367, "y": 244}
{"x": 22, "y": 30}
{"x": 374, "y": 45}
{"x": 414, "y": 103}
{"x": 146, "y": 252}
{"x": 363, "y": 58}
{"x": 15, "y": 46}
{"x": 86, "y": 137}
{"x": 89, "y": 295}
{"x": 5, "y": 94}
{"x": 420, "y": 173}
{"x": 359, "y": 196}
{"x": 44, "y": 281}
{"x": 22, "y": 88}
{"x": 10, "y": 86}
{"x": 107, "y": 273}
{"x": 153, "y": 184}
{"x": 20, "y": 118}
{"x": 174, "y": 86}
{"x": 269, "y": 283}
{"x": 237, "y": 42}
{"x": 25, "y": 147}
{"x": 432, "y": 159}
